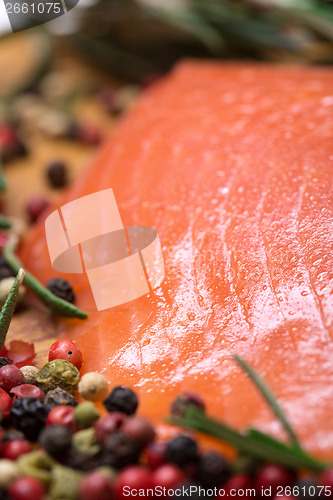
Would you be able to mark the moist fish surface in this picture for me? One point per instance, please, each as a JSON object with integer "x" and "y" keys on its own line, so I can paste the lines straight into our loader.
{"x": 233, "y": 165}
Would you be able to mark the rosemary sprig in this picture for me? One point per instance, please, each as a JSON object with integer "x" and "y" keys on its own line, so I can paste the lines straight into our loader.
{"x": 269, "y": 398}
{"x": 254, "y": 443}
{"x": 8, "y": 308}
{"x": 3, "y": 184}
{"x": 57, "y": 305}
{"x": 4, "y": 222}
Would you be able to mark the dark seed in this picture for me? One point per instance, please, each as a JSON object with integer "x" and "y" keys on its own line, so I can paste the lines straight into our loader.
{"x": 307, "y": 488}
{"x": 28, "y": 415}
{"x": 182, "y": 451}
{"x": 121, "y": 450}
{"x": 4, "y": 362}
{"x": 184, "y": 402}
{"x": 84, "y": 461}
{"x": 57, "y": 174}
{"x": 56, "y": 440}
{"x": 5, "y": 270}
{"x": 213, "y": 470}
{"x": 59, "y": 397}
{"x": 13, "y": 435}
{"x": 61, "y": 288}
{"x": 121, "y": 399}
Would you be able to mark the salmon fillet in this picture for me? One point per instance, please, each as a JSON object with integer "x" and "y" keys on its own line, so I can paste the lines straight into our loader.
{"x": 233, "y": 165}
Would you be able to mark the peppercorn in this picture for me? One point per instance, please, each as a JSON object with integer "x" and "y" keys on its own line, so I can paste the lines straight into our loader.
{"x": 64, "y": 483}
{"x": 108, "y": 424}
{"x": 5, "y": 270}
{"x": 56, "y": 440}
{"x": 8, "y": 472}
{"x": 214, "y": 469}
{"x": 57, "y": 174}
{"x": 4, "y": 495}
{"x": 4, "y": 362}
{"x": 13, "y": 435}
{"x": 26, "y": 391}
{"x": 36, "y": 206}
{"x": 36, "y": 464}
{"x": 184, "y": 402}
{"x": 140, "y": 429}
{"x": 84, "y": 461}
{"x": 93, "y": 386}
{"x": 189, "y": 485}
{"x": 86, "y": 441}
{"x": 59, "y": 397}
{"x": 61, "y": 288}
{"x": 307, "y": 488}
{"x": 121, "y": 450}
{"x": 182, "y": 451}
{"x": 29, "y": 416}
{"x": 30, "y": 374}
{"x": 58, "y": 373}
{"x": 26, "y": 488}
{"x": 85, "y": 414}
{"x": 121, "y": 399}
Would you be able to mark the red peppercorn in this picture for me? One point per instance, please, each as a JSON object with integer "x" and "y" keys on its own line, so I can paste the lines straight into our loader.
{"x": 237, "y": 482}
{"x": 140, "y": 429}
{"x": 87, "y": 135}
{"x": 26, "y": 391}
{"x": 133, "y": 478}
{"x": 62, "y": 415}
{"x": 272, "y": 476}
{"x": 15, "y": 448}
{"x": 326, "y": 478}
{"x": 156, "y": 454}
{"x": 36, "y": 207}
{"x": 10, "y": 376}
{"x": 95, "y": 486}
{"x": 105, "y": 426}
{"x": 167, "y": 476}
{"x": 66, "y": 349}
{"x": 8, "y": 137}
{"x": 26, "y": 488}
{"x": 5, "y": 403}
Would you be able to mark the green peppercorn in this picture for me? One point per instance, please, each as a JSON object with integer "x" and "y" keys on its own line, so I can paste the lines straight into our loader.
{"x": 86, "y": 441}
{"x": 58, "y": 373}
{"x": 64, "y": 483}
{"x": 85, "y": 414}
{"x": 36, "y": 464}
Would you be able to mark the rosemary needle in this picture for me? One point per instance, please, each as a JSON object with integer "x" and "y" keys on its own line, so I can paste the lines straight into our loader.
{"x": 8, "y": 308}
{"x": 57, "y": 305}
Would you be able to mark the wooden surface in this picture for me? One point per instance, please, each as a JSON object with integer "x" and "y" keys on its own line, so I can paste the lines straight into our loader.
{"x": 26, "y": 178}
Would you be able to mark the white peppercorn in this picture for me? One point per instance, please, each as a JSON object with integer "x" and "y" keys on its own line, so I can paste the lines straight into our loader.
{"x": 93, "y": 386}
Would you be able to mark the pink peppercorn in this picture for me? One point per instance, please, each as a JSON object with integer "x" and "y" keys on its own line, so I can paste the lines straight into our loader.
{"x": 10, "y": 376}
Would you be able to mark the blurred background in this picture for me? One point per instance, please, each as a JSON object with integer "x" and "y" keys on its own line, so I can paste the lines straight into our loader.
{"x": 64, "y": 83}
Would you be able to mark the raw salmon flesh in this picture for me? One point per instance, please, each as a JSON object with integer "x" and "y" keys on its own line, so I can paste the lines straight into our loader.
{"x": 233, "y": 165}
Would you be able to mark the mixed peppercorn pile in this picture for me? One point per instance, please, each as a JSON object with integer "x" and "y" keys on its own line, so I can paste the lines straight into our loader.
{"x": 54, "y": 447}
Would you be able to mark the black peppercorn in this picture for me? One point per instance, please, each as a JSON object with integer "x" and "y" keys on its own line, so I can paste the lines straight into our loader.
{"x": 29, "y": 415}
{"x": 59, "y": 397}
{"x": 4, "y": 495}
{"x": 57, "y": 174}
{"x": 186, "y": 401}
{"x": 121, "y": 450}
{"x": 307, "y": 488}
{"x": 56, "y": 440}
{"x": 4, "y": 362}
{"x": 84, "y": 461}
{"x": 61, "y": 288}
{"x": 182, "y": 451}
{"x": 5, "y": 270}
{"x": 188, "y": 488}
{"x": 213, "y": 469}
{"x": 13, "y": 435}
{"x": 121, "y": 399}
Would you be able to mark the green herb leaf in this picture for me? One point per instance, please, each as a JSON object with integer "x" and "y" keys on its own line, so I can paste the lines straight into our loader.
{"x": 4, "y": 222}
{"x": 57, "y": 305}
{"x": 3, "y": 184}
{"x": 254, "y": 444}
{"x": 269, "y": 398}
{"x": 8, "y": 308}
